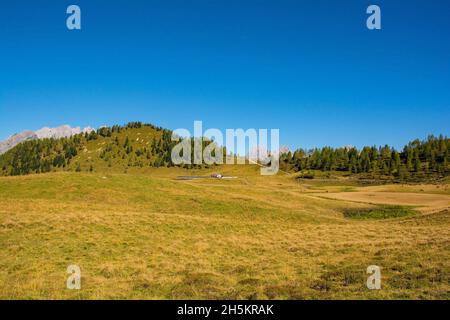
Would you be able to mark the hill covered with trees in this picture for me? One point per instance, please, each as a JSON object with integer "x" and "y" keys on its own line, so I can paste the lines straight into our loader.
{"x": 118, "y": 147}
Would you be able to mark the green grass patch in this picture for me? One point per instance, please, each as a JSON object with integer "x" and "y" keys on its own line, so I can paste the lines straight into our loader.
{"x": 379, "y": 212}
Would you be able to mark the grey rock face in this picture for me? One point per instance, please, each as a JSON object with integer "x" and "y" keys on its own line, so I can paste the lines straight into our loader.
{"x": 60, "y": 132}
{"x": 14, "y": 140}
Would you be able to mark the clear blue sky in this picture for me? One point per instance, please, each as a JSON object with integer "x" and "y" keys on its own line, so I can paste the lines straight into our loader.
{"x": 310, "y": 68}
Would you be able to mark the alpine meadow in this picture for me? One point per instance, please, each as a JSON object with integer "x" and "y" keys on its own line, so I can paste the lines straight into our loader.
{"x": 224, "y": 159}
{"x": 110, "y": 202}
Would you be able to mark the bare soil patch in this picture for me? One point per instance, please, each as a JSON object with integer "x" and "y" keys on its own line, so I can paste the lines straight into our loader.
{"x": 425, "y": 203}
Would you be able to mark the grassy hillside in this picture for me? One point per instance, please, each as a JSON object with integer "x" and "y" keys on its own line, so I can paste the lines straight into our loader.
{"x": 150, "y": 236}
{"x": 112, "y": 149}
{"x": 131, "y": 147}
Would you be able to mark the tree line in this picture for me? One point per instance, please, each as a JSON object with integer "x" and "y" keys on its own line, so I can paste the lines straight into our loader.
{"x": 417, "y": 157}
{"x": 38, "y": 156}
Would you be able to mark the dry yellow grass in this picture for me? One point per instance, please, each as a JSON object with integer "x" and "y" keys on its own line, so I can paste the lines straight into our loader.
{"x": 148, "y": 236}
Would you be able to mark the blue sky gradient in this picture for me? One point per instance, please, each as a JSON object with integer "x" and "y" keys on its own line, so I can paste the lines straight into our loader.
{"x": 310, "y": 68}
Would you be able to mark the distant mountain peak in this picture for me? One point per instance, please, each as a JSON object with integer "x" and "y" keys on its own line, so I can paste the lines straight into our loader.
{"x": 61, "y": 132}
